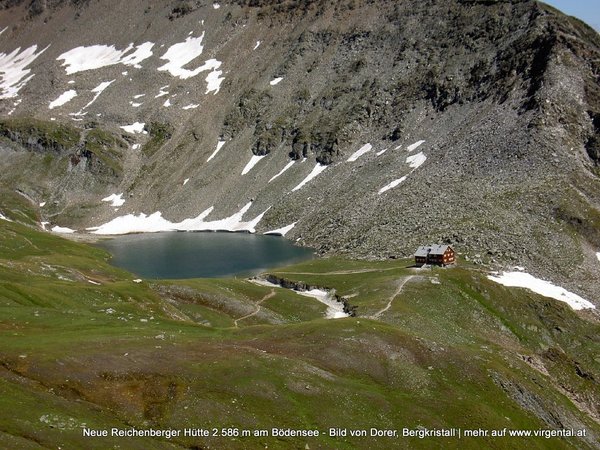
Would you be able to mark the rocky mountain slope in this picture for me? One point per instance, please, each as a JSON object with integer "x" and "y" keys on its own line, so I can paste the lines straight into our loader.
{"x": 373, "y": 126}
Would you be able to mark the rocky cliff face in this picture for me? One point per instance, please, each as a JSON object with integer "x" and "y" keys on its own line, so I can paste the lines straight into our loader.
{"x": 173, "y": 103}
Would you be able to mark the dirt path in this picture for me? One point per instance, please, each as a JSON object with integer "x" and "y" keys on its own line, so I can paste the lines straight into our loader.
{"x": 401, "y": 284}
{"x": 266, "y": 297}
{"x": 341, "y": 272}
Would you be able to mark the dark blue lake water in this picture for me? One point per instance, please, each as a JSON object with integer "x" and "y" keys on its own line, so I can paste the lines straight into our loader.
{"x": 201, "y": 255}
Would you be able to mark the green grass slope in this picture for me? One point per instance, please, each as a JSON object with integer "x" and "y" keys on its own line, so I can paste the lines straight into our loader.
{"x": 85, "y": 346}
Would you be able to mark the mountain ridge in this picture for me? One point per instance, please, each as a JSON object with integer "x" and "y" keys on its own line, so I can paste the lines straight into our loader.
{"x": 505, "y": 95}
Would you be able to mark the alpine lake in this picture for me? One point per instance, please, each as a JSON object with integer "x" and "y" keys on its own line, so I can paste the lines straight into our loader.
{"x": 179, "y": 255}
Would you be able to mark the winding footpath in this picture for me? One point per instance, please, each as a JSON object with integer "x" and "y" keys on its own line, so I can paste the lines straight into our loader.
{"x": 341, "y": 272}
{"x": 266, "y": 297}
{"x": 401, "y": 284}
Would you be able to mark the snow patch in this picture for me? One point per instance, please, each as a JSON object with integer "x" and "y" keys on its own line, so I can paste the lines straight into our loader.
{"x": 414, "y": 146}
{"x": 282, "y": 231}
{"x": 137, "y": 127}
{"x": 155, "y": 223}
{"x": 335, "y": 309}
{"x": 180, "y": 54}
{"x": 134, "y": 224}
{"x": 196, "y": 224}
{"x": 42, "y": 204}
{"x": 135, "y": 146}
{"x": 98, "y": 90}
{"x": 162, "y": 92}
{"x": 219, "y": 145}
{"x": 598, "y": 256}
{"x": 361, "y": 151}
{"x": 185, "y": 181}
{"x": 3, "y": 217}
{"x": 216, "y": 6}
{"x": 63, "y": 98}
{"x": 13, "y": 72}
{"x": 15, "y": 104}
{"x": 167, "y": 103}
{"x": 135, "y": 105}
{"x": 253, "y": 161}
{"x": 316, "y": 171}
{"x": 416, "y": 161}
{"x": 257, "y": 45}
{"x": 63, "y": 230}
{"x": 94, "y": 57}
{"x": 287, "y": 166}
{"x": 275, "y": 81}
{"x": 190, "y": 106}
{"x": 232, "y": 223}
{"x": 214, "y": 78}
{"x": 541, "y": 287}
{"x": 115, "y": 200}
{"x": 391, "y": 185}
{"x": 381, "y": 152}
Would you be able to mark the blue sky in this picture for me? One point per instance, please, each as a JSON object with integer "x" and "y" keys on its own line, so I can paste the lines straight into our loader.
{"x": 586, "y": 10}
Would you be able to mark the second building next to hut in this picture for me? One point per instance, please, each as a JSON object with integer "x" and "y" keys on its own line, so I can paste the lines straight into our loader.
{"x": 439, "y": 255}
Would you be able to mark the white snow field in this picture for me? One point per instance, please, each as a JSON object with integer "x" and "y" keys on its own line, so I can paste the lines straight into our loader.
{"x": 416, "y": 161}
{"x": 136, "y": 127}
{"x": 99, "y": 90}
{"x": 361, "y": 151}
{"x": 281, "y": 231}
{"x": 63, "y": 230}
{"x": 63, "y": 98}
{"x": 181, "y": 54}
{"x": 542, "y": 287}
{"x": 335, "y": 309}
{"x": 115, "y": 199}
{"x": 414, "y": 146}
{"x": 153, "y": 223}
{"x": 93, "y": 57}
{"x": 253, "y": 161}
{"x": 391, "y": 185}
{"x": 287, "y": 166}
{"x": 220, "y": 144}
{"x": 13, "y": 72}
{"x": 316, "y": 171}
